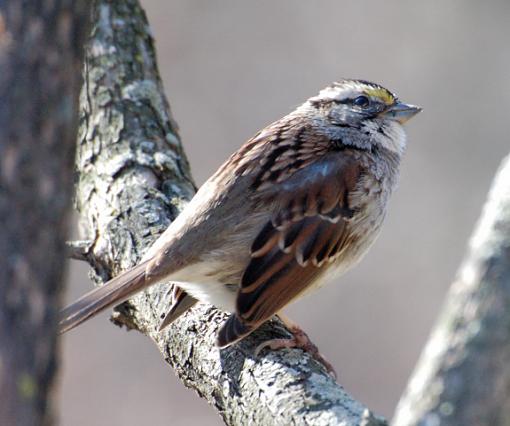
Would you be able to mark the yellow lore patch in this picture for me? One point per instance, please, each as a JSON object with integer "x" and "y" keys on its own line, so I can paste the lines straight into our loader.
{"x": 381, "y": 94}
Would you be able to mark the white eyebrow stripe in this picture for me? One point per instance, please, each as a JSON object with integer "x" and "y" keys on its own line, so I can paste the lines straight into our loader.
{"x": 341, "y": 91}
{"x": 349, "y": 89}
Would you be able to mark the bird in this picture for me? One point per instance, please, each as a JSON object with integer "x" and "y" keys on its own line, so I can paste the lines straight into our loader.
{"x": 296, "y": 205}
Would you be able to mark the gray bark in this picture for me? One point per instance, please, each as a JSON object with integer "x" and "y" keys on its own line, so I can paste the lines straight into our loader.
{"x": 133, "y": 178}
{"x": 463, "y": 376}
{"x": 40, "y": 62}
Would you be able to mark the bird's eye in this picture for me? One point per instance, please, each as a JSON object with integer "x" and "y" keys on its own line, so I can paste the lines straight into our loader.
{"x": 361, "y": 101}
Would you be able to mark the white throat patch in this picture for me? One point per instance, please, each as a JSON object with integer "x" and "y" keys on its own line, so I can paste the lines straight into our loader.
{"x": 392, "y": 137}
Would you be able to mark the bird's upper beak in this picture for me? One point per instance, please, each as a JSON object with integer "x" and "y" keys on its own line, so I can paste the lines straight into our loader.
{"x": 400, "y": 112}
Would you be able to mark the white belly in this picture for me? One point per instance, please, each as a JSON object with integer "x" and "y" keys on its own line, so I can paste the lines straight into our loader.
{"x": 199, "y": 281}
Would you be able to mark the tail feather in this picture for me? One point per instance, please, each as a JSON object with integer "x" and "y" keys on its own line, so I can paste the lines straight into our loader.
{"x": 114, "y": 292}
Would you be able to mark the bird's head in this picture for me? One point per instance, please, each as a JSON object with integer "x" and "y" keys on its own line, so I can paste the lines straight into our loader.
{"x": 360, "y": 114}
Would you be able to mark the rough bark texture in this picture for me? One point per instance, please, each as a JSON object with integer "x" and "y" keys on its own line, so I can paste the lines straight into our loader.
{"x": 133, "y": 180}
{"x": 40, "y": 62}
{"x": 463, "y": 377}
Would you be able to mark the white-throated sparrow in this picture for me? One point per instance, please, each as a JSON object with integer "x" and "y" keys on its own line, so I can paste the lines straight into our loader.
{"x": 300, "y": 201}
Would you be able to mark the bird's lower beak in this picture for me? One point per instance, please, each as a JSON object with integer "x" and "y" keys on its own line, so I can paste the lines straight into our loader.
{"x": 401, "y": 112}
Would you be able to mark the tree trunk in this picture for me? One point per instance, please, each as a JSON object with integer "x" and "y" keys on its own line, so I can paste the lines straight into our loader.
{"x": 40, "y": 62}
{"x": 463, "y": 376}
{"x": 133, "y": 180}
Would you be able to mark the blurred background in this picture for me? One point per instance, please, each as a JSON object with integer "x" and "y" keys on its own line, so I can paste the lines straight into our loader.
{"x": 230, "y": 68}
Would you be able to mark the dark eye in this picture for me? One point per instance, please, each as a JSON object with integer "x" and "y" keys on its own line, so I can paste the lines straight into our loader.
{"x": 361, "y": 101}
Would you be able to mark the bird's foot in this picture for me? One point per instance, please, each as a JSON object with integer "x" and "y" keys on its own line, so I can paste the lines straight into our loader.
{"x": 299, "y": 340}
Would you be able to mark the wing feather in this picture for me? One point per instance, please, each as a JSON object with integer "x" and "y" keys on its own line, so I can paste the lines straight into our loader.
{"x": 308, "y": 229}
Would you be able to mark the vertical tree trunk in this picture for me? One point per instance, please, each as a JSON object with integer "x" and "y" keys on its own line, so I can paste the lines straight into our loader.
{"x": 463, "y": 377}
{"x": 40, "y": 63}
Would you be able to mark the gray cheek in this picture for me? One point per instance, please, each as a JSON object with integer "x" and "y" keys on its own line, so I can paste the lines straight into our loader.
{"x": 338, "y": 117}
{"x": 343, "y": 116}
{"x": 356, "y": 137}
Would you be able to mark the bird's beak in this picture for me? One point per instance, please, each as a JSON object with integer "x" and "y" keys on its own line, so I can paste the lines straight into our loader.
{"x": 400, "y": 112}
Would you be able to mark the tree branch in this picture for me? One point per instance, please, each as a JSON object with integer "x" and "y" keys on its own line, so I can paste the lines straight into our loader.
{"x": 463, "y": 376}
{"x": 40, "y": 62}
{"x": 133, "y": 180}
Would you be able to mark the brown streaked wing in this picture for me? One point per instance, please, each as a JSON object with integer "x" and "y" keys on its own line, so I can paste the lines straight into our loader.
{"x": 276, "y": 152}
{"x": 310, "y": 226}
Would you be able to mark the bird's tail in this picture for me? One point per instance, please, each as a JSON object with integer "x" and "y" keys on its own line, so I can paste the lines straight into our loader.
{"x": 115, "y": 291}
